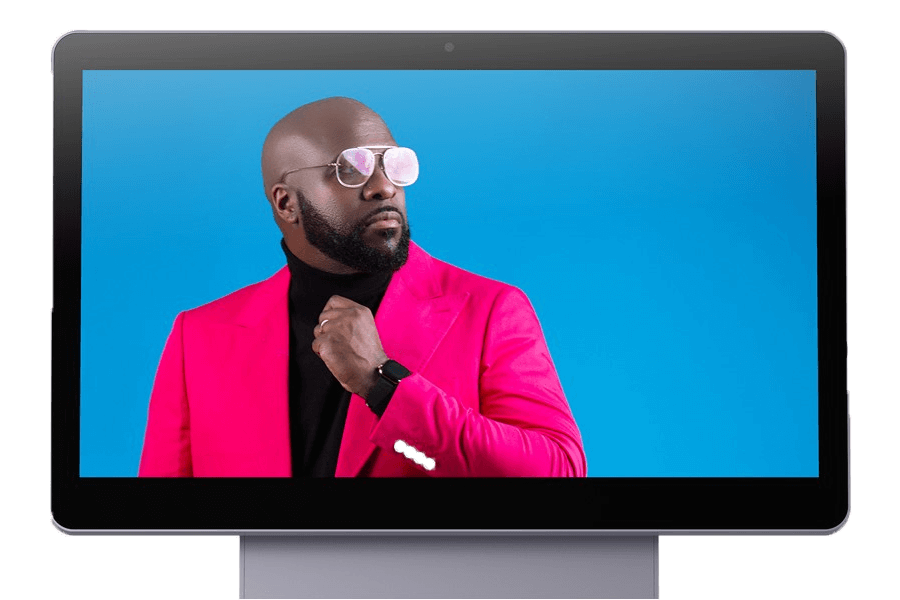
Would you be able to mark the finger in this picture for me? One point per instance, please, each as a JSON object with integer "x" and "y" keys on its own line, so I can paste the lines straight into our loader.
{"x": 318, "y": 330}
{"x": 354, "y": 311}
{"x": 339, "y": 302}
{"x": 336, "y": 318}
{"x": 333, "y": 314}
{"x": 330, "y": 318}
{"x": 325, "y": 327}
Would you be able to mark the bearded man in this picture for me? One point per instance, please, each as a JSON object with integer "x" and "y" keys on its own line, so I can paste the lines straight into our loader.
{"x": 363, "y": 355}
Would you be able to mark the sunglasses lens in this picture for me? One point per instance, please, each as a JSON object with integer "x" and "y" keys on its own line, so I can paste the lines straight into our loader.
{"x": 401, "y": 165}
{"x": 355, "y": 166}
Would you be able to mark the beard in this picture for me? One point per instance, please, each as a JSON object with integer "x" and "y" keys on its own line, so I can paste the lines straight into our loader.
{"x": 351, "y": 249}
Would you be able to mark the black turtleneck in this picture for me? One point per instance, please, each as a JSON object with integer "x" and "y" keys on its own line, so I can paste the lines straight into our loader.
{"x": 318, "y": 403}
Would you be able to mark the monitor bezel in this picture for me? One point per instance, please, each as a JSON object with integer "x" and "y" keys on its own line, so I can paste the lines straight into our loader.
{"x": 531, "y": 505}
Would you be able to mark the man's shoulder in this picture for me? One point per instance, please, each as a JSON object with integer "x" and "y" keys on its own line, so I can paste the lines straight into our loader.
{"x": 458, "y": 277}
{"x": 239, "y": 303}
{"x": 456, "y": 280}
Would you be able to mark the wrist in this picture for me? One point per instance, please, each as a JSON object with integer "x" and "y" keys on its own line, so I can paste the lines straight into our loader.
{"x": 370, "y": 378}
{"x": 368, "y": 384}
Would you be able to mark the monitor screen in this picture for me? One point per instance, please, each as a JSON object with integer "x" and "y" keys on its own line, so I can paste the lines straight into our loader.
{"x": 661, "y": 223}
{"x": 612, "y": 284}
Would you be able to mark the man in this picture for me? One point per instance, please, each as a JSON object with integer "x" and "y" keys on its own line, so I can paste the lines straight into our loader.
{"x": 293, "y": 376}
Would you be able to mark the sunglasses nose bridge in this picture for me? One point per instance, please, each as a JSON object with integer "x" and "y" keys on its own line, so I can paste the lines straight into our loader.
{"x": 378, "y": 180}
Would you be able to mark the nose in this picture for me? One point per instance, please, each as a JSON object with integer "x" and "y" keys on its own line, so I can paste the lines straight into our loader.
{"x": 379, "y": 187}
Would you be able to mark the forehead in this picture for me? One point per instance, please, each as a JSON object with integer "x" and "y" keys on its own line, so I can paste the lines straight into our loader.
{"x": 326, "y": 138}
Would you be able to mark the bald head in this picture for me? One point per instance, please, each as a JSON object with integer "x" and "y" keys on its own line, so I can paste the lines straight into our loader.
{"x": 314, "y": 133}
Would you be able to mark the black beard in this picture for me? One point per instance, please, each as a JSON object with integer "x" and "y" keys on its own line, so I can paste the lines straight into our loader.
{"x": 351, "y": 250}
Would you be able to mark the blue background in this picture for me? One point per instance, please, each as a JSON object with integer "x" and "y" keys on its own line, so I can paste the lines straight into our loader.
{"x": 663, "y": 224}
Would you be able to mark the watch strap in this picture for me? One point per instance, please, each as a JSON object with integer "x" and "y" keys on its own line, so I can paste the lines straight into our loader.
{"x": 389, "y": 375}
{"x": 380, "y": 395}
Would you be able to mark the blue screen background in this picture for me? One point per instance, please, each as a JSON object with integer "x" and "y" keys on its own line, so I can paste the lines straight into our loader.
{"x": 662, "y": 223}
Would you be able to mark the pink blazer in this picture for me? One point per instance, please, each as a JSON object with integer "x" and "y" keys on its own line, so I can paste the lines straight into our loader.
{"x": 483, "y": 398}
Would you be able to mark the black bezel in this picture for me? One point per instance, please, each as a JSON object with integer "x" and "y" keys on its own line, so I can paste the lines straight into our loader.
{"x": 652, "y": 504}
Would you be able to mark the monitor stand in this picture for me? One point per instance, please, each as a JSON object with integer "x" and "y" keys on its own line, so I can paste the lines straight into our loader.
{"x": 449, "y": 566}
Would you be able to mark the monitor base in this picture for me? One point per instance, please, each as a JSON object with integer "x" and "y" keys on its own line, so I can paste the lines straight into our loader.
{"x": 449, "y": 566}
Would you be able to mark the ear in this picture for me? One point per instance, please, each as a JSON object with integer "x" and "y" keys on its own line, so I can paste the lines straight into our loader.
{"x": 284, "y": 204}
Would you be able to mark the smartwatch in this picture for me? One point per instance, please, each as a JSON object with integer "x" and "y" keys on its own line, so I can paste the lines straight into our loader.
{"x": 389, "y": 375}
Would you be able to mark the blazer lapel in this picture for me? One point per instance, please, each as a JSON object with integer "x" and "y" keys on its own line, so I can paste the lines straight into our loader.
{"x": 412, "y": 319}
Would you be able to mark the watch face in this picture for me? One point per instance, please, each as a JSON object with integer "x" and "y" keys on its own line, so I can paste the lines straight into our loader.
{"x": 394, "y": 370}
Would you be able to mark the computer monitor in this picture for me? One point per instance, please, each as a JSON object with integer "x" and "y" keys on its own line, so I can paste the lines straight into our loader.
{"x": 621, "y": 307}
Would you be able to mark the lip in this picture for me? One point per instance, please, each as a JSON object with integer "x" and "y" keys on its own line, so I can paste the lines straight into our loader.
{"x": 385, "y": 220}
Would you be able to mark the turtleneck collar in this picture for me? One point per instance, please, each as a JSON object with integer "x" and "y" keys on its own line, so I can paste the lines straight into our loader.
{"x": 311, "y": 288}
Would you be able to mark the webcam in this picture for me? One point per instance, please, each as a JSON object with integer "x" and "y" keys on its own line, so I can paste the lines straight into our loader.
{"x": 449, "y": 46}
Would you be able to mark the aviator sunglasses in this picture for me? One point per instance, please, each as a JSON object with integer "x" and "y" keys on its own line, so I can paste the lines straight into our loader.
{"x": 354, "y": 166}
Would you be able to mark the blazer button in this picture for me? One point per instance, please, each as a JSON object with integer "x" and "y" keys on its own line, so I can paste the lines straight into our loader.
{"x": 419, "y": 458}
{"x": 410, "y": 452}
{"x": 399, "y": 446}
{"x": 429, "y": 464}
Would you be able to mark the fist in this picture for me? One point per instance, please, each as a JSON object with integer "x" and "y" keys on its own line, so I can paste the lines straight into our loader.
{"x": 348, "y": 343}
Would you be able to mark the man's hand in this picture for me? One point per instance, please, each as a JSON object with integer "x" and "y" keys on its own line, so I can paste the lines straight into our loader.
{"x": 347, "y": 341}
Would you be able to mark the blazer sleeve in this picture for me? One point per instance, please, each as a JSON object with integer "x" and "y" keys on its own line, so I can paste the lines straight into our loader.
{"x": 167, "y": 442}
{"x": 525, "y": 427}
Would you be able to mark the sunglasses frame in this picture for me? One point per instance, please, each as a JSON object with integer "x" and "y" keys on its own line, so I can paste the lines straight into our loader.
{"x": 359, "y": 185}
